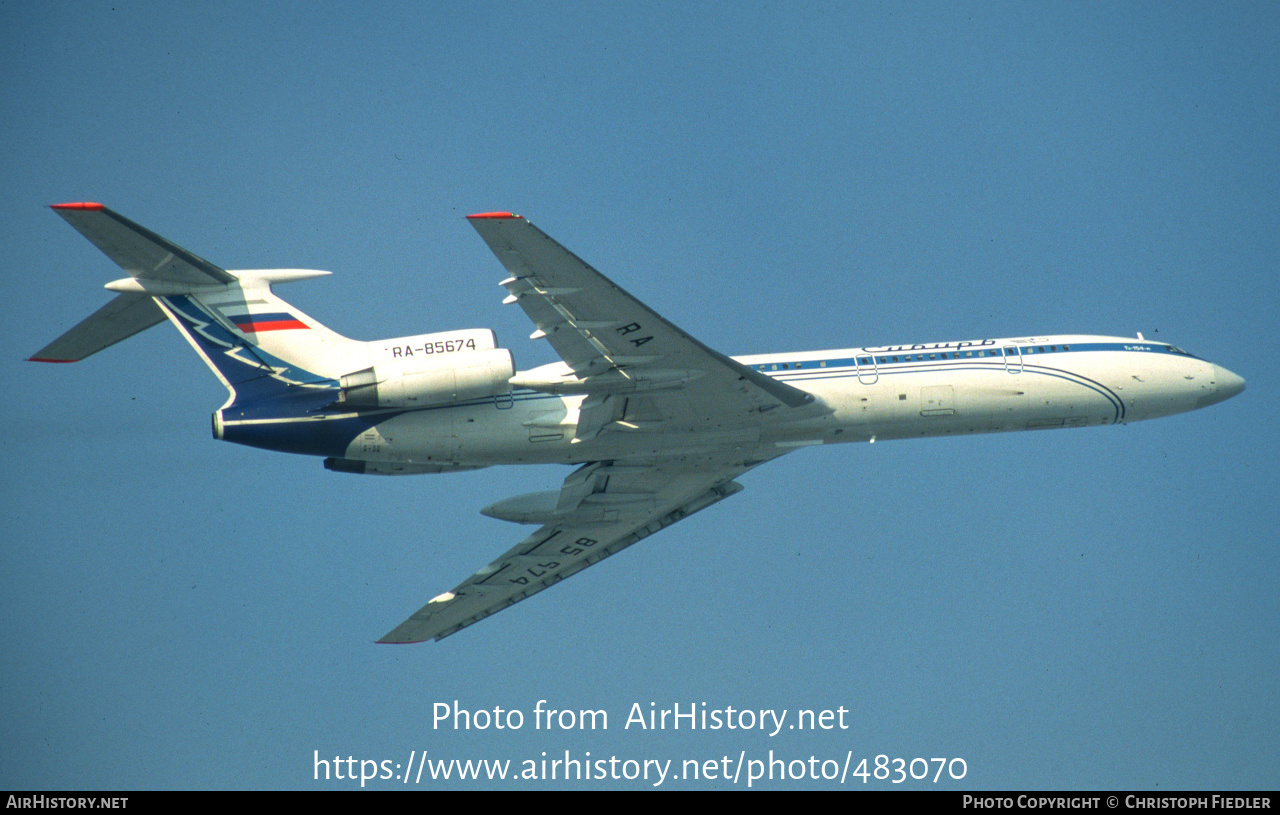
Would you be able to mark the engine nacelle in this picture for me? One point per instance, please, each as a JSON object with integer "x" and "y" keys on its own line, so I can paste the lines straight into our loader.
{"x": 427, "y": 381}
{"x": 427, "y": 345}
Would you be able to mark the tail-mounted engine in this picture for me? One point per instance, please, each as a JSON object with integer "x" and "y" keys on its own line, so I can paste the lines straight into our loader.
{"x": 430, "y": 370}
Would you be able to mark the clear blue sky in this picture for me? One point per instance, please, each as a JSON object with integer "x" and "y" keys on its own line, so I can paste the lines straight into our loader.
{"x": 1091, "y": 608}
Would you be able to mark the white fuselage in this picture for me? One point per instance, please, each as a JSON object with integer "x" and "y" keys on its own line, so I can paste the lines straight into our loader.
{"x": 864, "y": 394}
{"x": 660, "y": 423}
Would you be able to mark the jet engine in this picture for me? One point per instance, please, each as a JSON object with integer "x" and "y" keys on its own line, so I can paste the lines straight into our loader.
{"x": 428, "y": 381}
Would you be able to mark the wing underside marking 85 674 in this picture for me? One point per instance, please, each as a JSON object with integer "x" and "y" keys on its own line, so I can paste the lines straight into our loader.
{"x": 602, "y": 508}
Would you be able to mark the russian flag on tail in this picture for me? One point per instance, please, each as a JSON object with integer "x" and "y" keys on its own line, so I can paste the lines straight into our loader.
{"x": 256, "y": 323}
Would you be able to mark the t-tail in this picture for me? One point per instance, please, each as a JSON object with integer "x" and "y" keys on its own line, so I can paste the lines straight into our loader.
{"x": 294, "y": 384}
{"x": 258, "y": 345}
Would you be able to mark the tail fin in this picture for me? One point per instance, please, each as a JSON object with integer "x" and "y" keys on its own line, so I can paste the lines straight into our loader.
{"x": 256, "y": 343}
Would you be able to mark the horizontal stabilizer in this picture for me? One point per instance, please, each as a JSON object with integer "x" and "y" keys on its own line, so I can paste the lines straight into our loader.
{"x": 118, "y": 320}
{"x": 139, "y": 251}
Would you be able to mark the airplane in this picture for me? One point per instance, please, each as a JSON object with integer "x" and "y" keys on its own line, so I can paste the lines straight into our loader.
{"x": 657, "y": 424}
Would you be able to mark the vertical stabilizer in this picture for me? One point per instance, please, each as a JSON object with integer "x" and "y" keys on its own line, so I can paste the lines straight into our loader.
{"x": 259, "y": 346}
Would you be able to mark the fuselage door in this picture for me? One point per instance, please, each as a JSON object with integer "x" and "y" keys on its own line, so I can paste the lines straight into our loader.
{"x": 868, "y": 371}
{"x": 1013, "y": 359}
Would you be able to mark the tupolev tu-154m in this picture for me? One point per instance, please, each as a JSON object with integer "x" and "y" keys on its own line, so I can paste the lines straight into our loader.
{"x": 656, "y": 424}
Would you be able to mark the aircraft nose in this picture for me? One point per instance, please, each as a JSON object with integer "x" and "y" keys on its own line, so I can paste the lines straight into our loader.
{"x": 1226, "y": 385}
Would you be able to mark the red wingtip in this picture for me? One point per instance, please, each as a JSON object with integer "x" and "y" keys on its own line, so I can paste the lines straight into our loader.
{"x": 41, "y": 359}
{"x": 82, "y": 205}
{"x": 493, "y": 215}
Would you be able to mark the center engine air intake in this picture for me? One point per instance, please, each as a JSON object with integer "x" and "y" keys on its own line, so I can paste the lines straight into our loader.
{"x": 429, "y": 381}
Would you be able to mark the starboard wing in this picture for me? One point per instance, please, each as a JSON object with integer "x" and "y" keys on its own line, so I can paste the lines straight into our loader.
{"x": 613, "y": 343}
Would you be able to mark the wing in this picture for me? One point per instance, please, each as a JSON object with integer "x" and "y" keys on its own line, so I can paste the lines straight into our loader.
{"x": 640, "y": 374}
{"x": 603, "y": 508}
{"x": 613, "y": 344}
